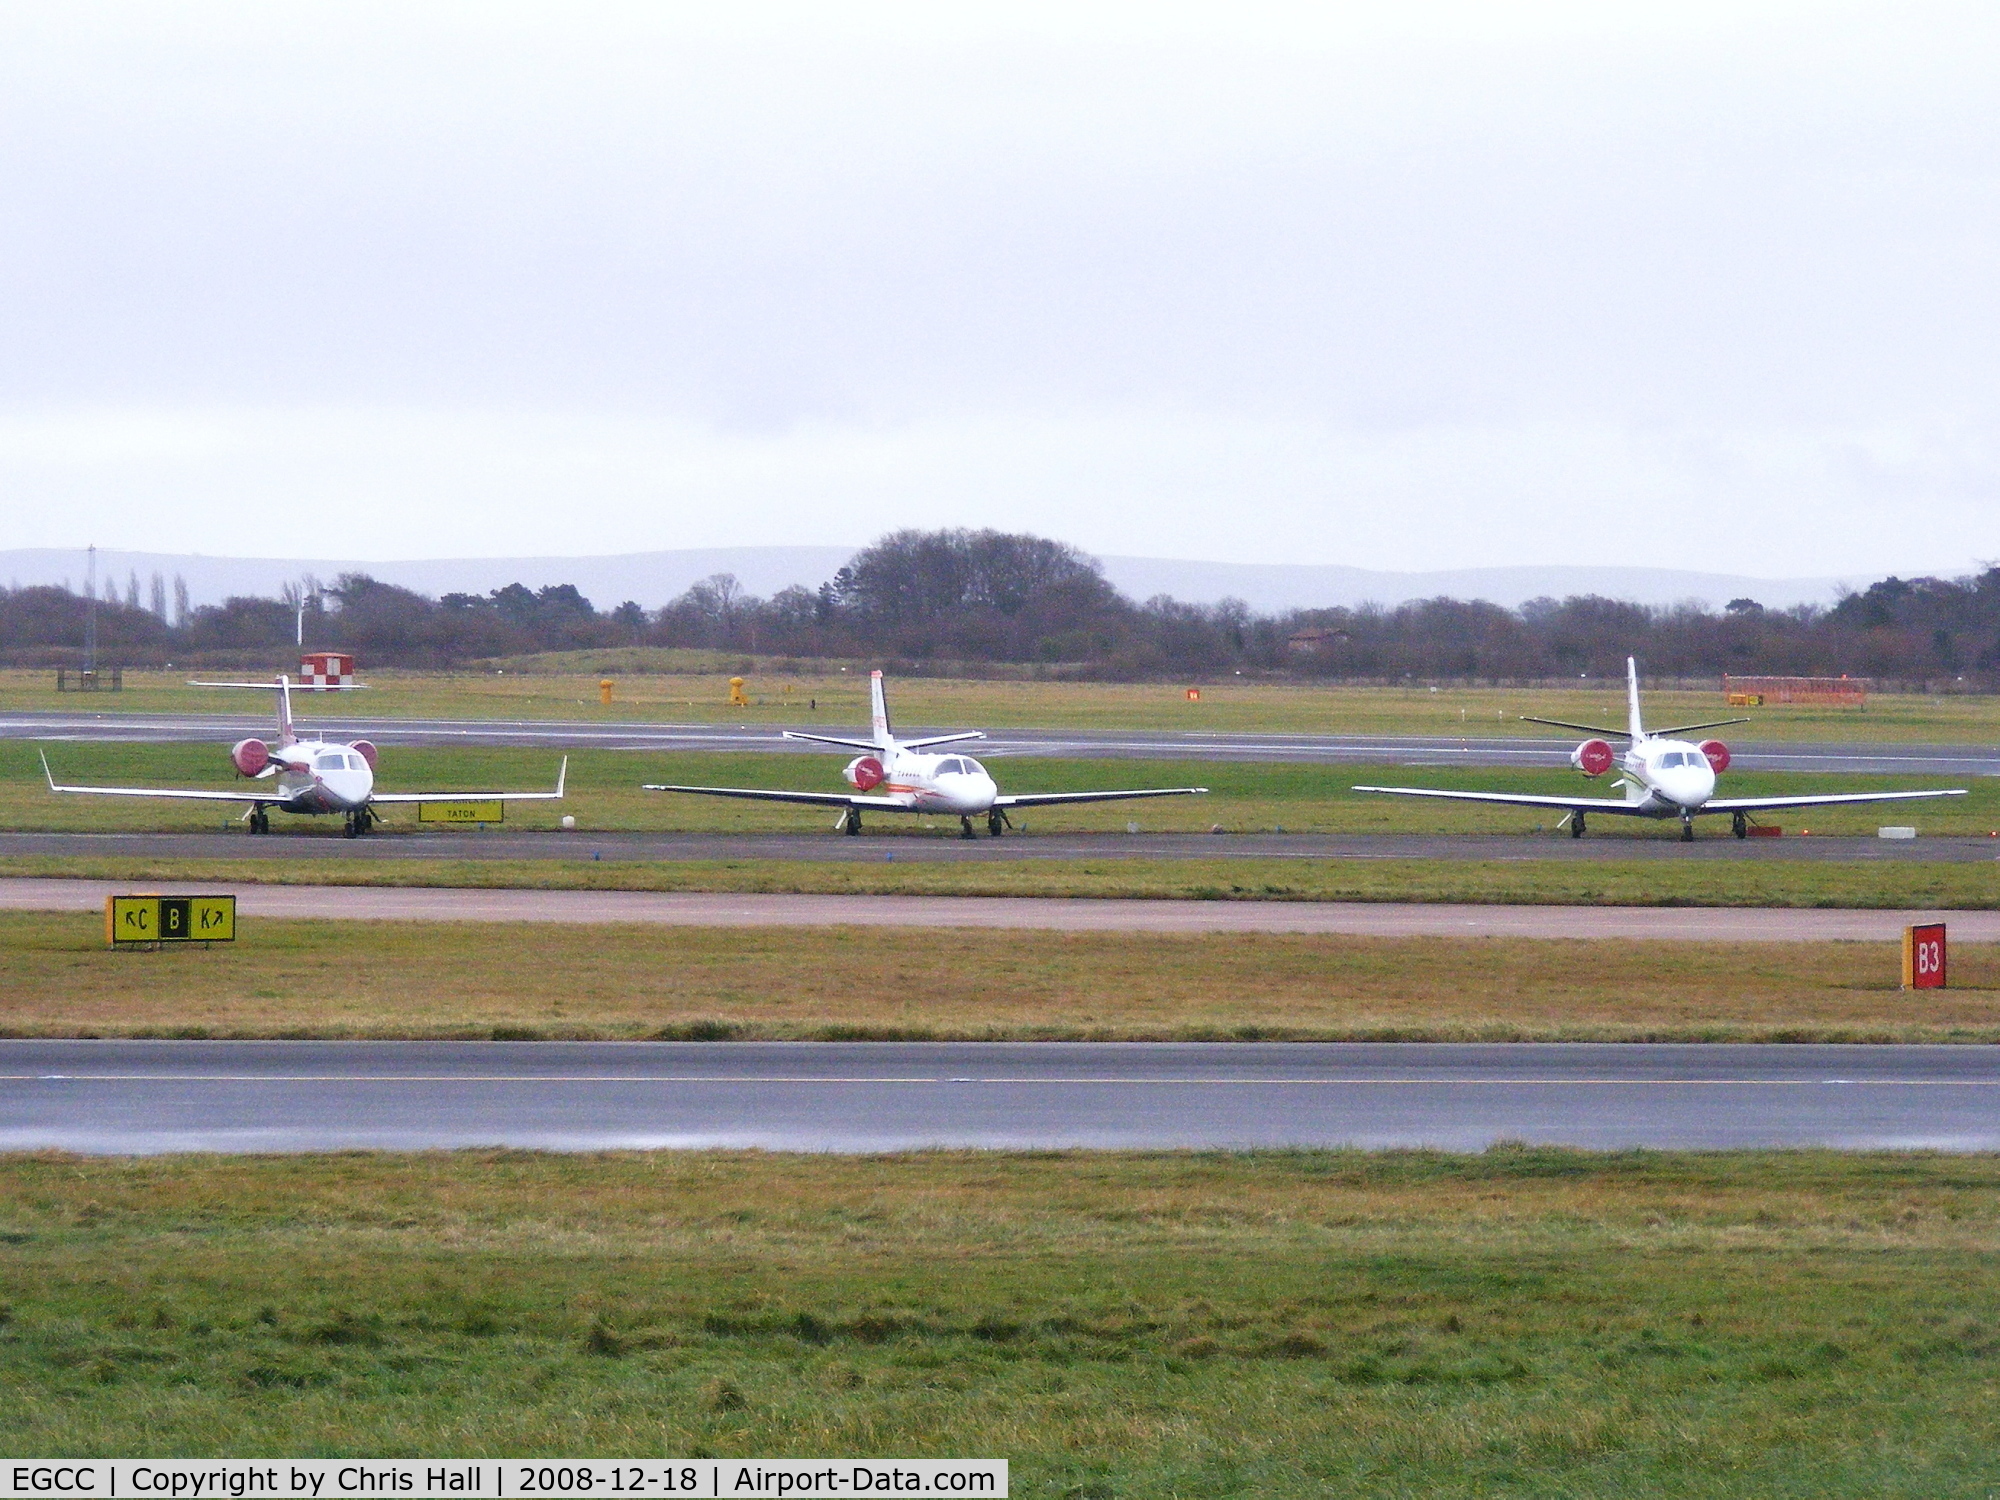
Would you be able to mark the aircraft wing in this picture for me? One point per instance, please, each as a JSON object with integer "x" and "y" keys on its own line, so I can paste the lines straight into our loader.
{"x": 1591, "y": 805}
{"x": 943, "y": 739}
{"x": 562, "y": 776}
{"x": 1051, "y": 799}
{"x": 825, "y": 799}
{"x": 149, "y": 791}
{"x": 1767, "y": 804}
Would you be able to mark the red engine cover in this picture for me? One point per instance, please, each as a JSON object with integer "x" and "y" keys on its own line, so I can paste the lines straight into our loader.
{"x": 365, "y": 750}
{"x": 1592, "y": 757}
{"x": 249, "y": 756}
{"x": 864, "y": 773}
{"x": 1717, "y": 753}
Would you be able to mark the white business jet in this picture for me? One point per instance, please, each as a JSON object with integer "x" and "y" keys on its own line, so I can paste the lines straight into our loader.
{"x": 914, "y": 782}
{"x": 1664, "y": 777}
{"x": 312, "y": 777}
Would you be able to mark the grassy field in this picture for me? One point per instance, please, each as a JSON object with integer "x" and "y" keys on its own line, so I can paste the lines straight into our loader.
{"x": 1524, "y": 1322}
{"x": 689, "y": 696}
{"x": 467, "y": 980}
{"x": 1888, "y": 885}
{"x": 604, "y": 793}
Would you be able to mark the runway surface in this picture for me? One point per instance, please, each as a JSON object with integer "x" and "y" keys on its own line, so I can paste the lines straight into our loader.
{"x": 143, "y": 1097}
{"x": 1490, "y": 750}
{"x": 321, "y": 839}
{"x": 1059, "y": 914}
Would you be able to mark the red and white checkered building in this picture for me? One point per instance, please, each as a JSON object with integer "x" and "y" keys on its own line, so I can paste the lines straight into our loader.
{"x": 323, "y": 671}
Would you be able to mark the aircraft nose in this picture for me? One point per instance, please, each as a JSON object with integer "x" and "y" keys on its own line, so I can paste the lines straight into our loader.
{"x": 1692, "y": 786}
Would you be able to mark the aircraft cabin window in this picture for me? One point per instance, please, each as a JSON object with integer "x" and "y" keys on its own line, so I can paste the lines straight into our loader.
{"x": 973, "y": 767}
{"x": 951, "y": 765}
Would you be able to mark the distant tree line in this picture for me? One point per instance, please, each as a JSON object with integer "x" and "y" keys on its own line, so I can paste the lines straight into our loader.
{"x": 926, "y": 598}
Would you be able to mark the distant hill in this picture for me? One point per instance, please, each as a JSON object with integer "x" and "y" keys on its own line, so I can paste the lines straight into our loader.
{"x": 652, "y": 578}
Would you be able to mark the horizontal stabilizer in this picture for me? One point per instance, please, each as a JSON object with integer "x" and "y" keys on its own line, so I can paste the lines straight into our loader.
{"x": 1614, "y": 734}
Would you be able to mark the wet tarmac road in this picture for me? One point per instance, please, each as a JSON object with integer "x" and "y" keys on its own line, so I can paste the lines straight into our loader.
{"x": 321, "y": 839}
{"x": 148, "y": 1097}
{"x": 1049, "y": 913}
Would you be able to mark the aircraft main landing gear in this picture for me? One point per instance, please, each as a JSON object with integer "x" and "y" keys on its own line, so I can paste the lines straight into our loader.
{"x": 965, "y": 828}
{"x": 996, "y": 820}
{"x": 1576, "y": 824}
{"x": 260, "y": 821}
{"x": 1739, "y": 824}
{"x": 851, "y": 824}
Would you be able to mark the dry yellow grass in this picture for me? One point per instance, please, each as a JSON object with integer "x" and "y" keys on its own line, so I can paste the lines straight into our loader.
{"x": 288, "y": 978}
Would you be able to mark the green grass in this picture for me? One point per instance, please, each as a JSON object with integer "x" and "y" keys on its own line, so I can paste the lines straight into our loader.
{"x": 1524, "y": 1322}
{"x": 692, "y": 687}
{"x": 629, "y": 981}
{"x": 1884, "y": 885}
{"x": 604, "y": 794}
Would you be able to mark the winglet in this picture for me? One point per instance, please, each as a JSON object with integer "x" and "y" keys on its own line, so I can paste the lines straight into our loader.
{"x": 1632, "y": 698}
{"x": 46, "y": 771}
{"x": 562, "y": 776}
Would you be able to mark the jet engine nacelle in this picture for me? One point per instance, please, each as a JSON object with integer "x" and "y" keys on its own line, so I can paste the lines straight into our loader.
{"x": 1592, "y": 757}
{"x": 1717, "y": 753}
{"x": 365, "y": 750}
{"x": 864, "y": 773}
{"x": 249, "y": 756}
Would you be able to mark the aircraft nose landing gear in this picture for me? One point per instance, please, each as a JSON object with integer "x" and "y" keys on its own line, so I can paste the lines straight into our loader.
{"x": 1687, "y": 828}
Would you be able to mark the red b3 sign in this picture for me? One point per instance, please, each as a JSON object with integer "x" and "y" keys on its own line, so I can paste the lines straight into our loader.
{"x": 1923, "y": 957}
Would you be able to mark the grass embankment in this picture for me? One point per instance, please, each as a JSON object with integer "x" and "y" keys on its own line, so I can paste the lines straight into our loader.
{"x": 1522, "y": 1322}
{"x": 470, "y": 980}
{"x": 1881, "y": 886}
{"x": 692, "y": 687}
{"x": 1244, "y": 797}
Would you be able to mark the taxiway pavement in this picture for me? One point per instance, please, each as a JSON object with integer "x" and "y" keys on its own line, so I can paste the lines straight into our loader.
{"x": 1045, "y": 913}
{"x": 908, "y": 840}
{"x": 148, "y": 1097}
{"x": 1330, "y": 749}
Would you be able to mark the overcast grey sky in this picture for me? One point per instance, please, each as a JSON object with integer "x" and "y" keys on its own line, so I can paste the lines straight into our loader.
{"x": 1454, "y": 286}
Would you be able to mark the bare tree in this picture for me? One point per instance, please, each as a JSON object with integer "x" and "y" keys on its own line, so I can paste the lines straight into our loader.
{"x": 156, "y": 597}
{"x": 182, "y": 612}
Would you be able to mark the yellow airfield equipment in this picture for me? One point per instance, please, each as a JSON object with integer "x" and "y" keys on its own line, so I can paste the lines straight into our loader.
{"x": 736, "y": 698}
{"x": 461, "y": 812}
{"x": 153, "y": 920}
{"x": 604, "y": 686}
